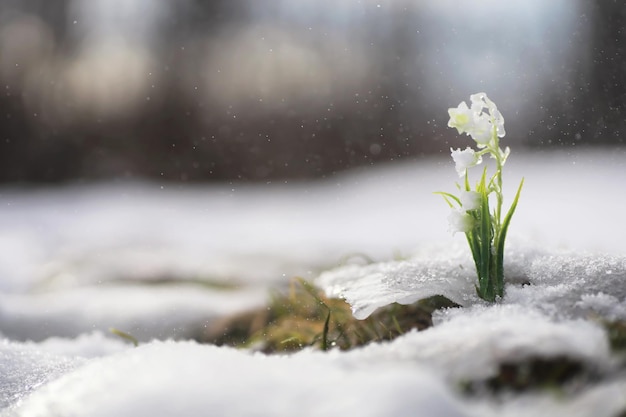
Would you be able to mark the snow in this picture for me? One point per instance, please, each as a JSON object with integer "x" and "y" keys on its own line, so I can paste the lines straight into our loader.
{"x": 146, "y": 313}
{"x": 78, "y": 260}
{"x": 200, "y": 380}
{"x": 564, "y": 284}
{"x": 455, "y": 348}
{"x": 368, "y": 287}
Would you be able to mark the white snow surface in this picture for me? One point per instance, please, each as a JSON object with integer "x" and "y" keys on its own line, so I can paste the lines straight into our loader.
{"x": 77, "y": 260}
{"x": 561, "y": 283}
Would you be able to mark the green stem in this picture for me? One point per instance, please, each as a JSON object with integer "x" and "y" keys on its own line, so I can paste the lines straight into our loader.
{"x": 497, "y": 267}
{"x": 485, "y": 278}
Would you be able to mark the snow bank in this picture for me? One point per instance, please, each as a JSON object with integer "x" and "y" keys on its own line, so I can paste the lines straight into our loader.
{"x": 167, "y": 379}
{"x": 564, "y": 284}
{"x": 24, "y": 369}
{"x": 470, "y": 344}
{"x": 416, "y": 374}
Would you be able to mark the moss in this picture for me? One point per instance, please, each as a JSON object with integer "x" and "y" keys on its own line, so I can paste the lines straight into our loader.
{"x": 306, "y": 317}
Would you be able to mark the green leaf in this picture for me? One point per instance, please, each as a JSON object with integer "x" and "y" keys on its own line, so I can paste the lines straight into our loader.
{"x": 473, "y": 242}
{"x": 313, "y": 293}
{"x": 309, "y": 288}
{"x": 502, "y": 238}
{"x": 448, "y": 195}
{"x": 325, "y": 344}
{"x": 124, "y": 335}
{"x": 485, "y": 282}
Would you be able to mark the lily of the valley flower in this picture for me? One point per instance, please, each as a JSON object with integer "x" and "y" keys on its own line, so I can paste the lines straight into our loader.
{"x": 484, "y": 228}
{"x": 479, "y": 120}
{"x": 461, "y": 118}
{"x": 465, "y": 159}
{"x": 460, "y": 221}
{"x": 480, "y": 101}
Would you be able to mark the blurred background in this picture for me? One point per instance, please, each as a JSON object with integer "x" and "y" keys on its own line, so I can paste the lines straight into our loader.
{"x": 276, "y": 89}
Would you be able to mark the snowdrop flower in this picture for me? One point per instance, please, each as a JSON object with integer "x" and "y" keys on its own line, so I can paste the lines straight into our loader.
{"x": 460, "y": 221}
{"x": 465, "y": 159}
{"x": 470, "y": 200}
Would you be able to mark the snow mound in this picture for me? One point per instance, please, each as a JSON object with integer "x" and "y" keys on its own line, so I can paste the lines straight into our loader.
{"x": 86, "y": 346}
{"x": 415, "y": 374}
{"x": 470, "y": 343}
{"x": 186, "y": 379}
{"x": 25, "y": 369}
{"x": 574, "y": 285}
{"x": 369, "y": 287}
{"x": 563, "y": 284}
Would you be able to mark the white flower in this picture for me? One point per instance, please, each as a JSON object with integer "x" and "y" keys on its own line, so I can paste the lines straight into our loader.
{"x": 479, "y": 120}
{"x": 497, "y": 116}
{"x": 465, "y": 159}
{"x": 481, "y": 131}
{"x": 470, "y": 200}
{"x": 480, "y": 102}
{"x": 461, "y": 118}
{"x": 505, "y": 154}
{"x": 460, "y": 221}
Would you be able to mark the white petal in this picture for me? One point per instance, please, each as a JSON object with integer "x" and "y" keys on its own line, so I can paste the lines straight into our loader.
{"x": 460, "y": 221}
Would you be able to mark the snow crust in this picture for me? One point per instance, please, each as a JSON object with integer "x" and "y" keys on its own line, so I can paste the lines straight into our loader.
{"x": 366, "y": 288}
{"x": 469, "y": 345}
{"x": 24, "y": 369}
{"x": 413, "y": 374}
{"x": 166, "y": 378}
{"x": 563, "y": 284}
{"x": 78, "y": 260}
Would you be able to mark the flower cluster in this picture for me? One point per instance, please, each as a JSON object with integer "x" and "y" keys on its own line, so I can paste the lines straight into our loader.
{"x": 484, "y": 123}
{"x": 479, "y": 120}
{"x": 485, "y": 229}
